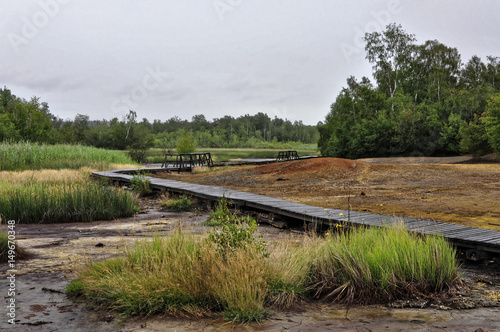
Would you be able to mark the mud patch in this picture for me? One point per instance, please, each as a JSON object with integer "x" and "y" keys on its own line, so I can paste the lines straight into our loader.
{"x": 41, "y": 303}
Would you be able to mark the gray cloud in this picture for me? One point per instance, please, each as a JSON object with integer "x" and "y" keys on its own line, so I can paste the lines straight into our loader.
{"x": 286, "y": 58}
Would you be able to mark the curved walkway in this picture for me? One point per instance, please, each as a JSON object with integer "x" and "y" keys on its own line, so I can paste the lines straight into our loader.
{"x": 464, "y": 236}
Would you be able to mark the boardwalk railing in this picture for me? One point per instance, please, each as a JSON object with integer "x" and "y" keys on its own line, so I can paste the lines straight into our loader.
{"x": 186, "y": 161}
{"x": 287, "y": 155}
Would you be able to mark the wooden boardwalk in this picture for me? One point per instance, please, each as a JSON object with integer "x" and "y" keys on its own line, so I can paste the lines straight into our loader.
{"x": 464, "y": 236}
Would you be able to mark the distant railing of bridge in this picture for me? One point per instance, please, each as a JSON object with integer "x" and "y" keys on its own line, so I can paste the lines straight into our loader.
{"x": 287, "y": 155}
{"x": 186, "y": 161}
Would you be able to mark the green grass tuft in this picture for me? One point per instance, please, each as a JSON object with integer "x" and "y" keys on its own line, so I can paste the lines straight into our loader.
{"x": 64, "y": 202}
{"x": 182, "y": 204}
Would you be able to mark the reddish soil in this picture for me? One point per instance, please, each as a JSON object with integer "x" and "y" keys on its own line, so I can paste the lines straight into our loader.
{"x": 467, "y": 194}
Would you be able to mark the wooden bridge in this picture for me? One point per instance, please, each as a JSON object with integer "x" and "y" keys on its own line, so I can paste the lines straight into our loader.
{"x": 287, "y": 155}
{"x": 186, "y": 161}
{"x": 315, "y": 217}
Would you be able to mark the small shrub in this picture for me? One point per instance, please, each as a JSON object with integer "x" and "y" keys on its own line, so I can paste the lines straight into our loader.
{"x": 182, "y": 204}
{"x": 221, "y": 214}
{"x": 141, "y": 184}
{"x": 234, "y": 232}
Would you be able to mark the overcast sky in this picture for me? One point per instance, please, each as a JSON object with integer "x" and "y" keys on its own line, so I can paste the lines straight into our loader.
{"x": 168, "y": 58}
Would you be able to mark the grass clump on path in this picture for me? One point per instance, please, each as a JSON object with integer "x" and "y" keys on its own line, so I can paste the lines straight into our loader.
{"x": 182, "y": 204}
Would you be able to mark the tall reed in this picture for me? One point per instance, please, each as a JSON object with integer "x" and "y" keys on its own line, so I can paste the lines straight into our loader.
{"x": 25, "y": 155}
{"x": 64, "y": 202}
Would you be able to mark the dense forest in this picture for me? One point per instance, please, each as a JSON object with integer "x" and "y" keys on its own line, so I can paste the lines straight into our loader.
{"x": 424, "y": 101}
{"x": 31, "y": 120}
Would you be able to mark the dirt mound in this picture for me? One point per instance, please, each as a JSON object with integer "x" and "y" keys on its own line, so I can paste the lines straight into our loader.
{"x": 315, "y": 165}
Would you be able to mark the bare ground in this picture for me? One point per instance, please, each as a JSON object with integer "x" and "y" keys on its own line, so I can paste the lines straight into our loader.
{"x": 466, "y": 194}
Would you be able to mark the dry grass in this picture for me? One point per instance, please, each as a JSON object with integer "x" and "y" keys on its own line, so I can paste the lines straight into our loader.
{"x": 47, "y": 176}
{"x": 183, "y": 274}
{"x": 200, "y": 169}
{"x": 179, "y": 275}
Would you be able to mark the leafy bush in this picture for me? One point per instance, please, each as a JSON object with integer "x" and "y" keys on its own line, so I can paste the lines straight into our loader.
{"x": 233, "y": 232}
{"x": 141, "y": 184}
{"x": 186, "y": 144}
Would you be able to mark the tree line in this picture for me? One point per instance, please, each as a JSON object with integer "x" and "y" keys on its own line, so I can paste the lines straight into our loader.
{"x": 31, "y": 120}
{"x": 424, "y": 101}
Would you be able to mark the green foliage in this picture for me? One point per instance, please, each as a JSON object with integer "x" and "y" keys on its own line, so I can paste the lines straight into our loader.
{"x": 22, "y": 119}
{"x": 141, "y": 184}
{"x": 64, "y": 202}
{"x": 32, "y": 121}
{"x": 492, "y": 122}
{"x": 25, "y": 155}
{"x": 474, "y": 139}
{"x": 141, "y": 140}
{"x": 425, "y": 102}
{"x": 185, "y": 144}
{"x": 181, "y": 204}
{"x": 233, "y": 232}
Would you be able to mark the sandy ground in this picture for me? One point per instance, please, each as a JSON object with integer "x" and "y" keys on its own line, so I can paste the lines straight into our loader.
{"x": 429, "y": 188}
{"x": 41, "y": 304}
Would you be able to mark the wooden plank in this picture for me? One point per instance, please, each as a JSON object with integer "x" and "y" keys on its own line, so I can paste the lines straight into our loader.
{"x": 312, "y": 213}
